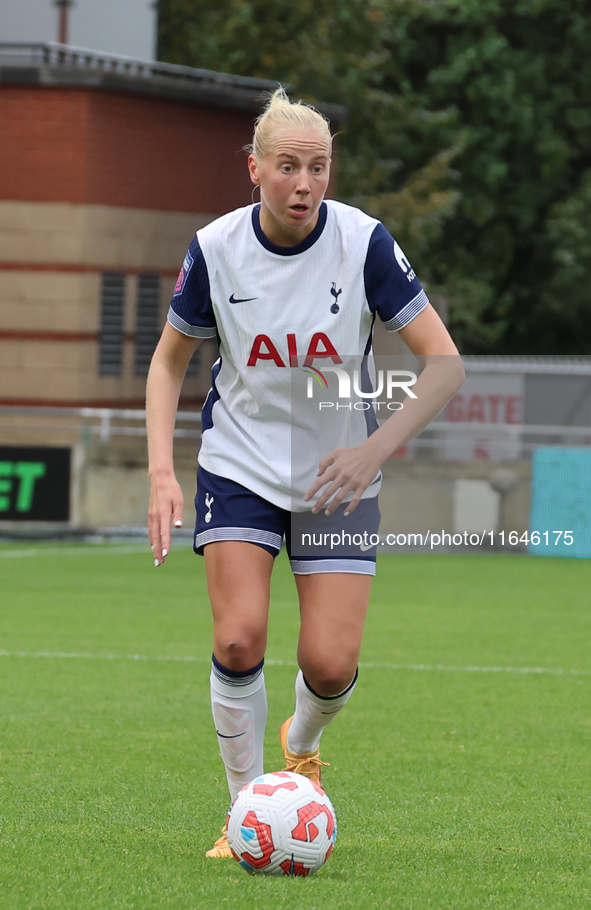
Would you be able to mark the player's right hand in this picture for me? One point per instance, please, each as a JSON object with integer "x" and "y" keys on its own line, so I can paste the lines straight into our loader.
{"x": 166, "y": 508}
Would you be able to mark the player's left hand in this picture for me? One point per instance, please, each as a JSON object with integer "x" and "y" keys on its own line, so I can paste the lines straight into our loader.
{"x": 345, "y": 471}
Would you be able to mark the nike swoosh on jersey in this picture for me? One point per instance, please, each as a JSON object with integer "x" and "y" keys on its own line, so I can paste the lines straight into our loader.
{"x": 233, "y": 299}
{"x": 235, "y": 736}
{"x": 364, "y": 547}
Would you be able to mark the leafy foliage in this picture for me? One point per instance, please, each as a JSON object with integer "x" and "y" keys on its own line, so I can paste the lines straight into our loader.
{"x": 469, "y": 134}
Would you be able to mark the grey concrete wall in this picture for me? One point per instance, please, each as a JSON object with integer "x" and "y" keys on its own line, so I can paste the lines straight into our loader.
{"x": 111, "y": 488}
{"x": 419, "y": 495}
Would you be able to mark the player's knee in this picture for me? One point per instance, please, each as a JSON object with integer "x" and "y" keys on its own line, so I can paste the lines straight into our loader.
{"x": 240, "y": 652}
{"x": 330, "y": 677}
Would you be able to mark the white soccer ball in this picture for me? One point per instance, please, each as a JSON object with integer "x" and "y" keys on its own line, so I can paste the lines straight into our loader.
{"x": 282, "y": 824}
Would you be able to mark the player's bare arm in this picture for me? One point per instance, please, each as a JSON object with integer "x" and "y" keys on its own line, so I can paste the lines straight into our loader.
{"x": 351, "y": 470}
{"x": 167, "y": 371}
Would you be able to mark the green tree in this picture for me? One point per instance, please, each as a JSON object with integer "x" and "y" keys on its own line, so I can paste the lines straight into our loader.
{"x": 469, "y": 135}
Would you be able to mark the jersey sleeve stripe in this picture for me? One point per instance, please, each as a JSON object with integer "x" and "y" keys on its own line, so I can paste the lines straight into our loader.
{"x": 193, "y": 331}
{"x": 407, "y": 313}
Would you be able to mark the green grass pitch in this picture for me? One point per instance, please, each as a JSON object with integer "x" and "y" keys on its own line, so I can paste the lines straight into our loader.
{"x": 460, "y": 771}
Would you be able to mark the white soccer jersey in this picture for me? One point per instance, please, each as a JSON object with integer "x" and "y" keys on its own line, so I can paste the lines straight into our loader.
{"x": 277, "y": 310}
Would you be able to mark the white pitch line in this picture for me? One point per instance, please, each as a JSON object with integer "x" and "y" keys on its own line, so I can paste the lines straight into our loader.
{"x": 69, "y": 655}
{"x": 553, "y": 671}
{"x": 83, "y": 550}
{"x": 429, "y": 668}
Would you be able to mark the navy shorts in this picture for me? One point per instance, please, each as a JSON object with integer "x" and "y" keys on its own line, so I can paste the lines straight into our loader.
{"x": 315, "y": 543}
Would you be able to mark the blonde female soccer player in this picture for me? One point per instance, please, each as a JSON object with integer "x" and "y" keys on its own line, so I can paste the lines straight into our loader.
{"x": 291, "y": 283}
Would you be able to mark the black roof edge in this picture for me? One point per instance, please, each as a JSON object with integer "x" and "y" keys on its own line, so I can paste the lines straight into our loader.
{"x": 53, "y": 64}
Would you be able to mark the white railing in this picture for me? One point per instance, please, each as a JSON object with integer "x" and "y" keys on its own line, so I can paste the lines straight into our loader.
{"x": 515, "y": 430}
{"x": 514, "y": 439}
{"x": 101, "y": 422}
{"x": 107, "y": 422}
{"x": 544, "y": 364}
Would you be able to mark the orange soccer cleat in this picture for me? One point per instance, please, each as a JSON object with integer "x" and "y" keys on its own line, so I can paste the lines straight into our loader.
{"x": 307, "y": 764}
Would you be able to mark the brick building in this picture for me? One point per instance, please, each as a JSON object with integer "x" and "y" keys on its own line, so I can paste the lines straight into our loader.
{"x": 107, "y": 167}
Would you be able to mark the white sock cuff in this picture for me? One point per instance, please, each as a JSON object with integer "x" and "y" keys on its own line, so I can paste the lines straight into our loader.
{"x": 324, "y": 700}
{"x": 236, "y": 685}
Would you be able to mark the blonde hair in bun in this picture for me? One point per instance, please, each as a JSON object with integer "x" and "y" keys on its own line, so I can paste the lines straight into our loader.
{"x": 281, "y": 113}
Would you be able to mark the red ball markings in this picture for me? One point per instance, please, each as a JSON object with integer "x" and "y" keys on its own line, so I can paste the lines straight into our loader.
{"x": 265, "y": 840}
{"x": 269, "y": 789}
{"x": 307, "y": 831}
{"x": 290, "y": 867}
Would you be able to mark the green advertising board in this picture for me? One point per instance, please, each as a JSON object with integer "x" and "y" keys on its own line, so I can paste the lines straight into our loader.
{"x": 34, "y": 484}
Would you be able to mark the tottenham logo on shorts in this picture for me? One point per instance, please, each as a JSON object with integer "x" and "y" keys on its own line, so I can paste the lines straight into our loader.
{"x": 335, "y": 307}
{"x": 208, "y": 502}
